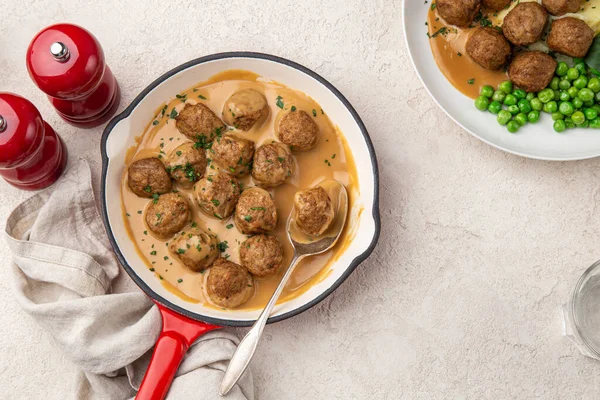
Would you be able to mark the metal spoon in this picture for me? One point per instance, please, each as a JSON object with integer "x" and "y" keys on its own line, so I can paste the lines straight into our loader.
{"x": 242, "y": 356}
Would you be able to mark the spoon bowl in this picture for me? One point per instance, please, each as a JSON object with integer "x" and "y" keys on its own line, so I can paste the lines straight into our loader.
{"x": 302, "y": 248}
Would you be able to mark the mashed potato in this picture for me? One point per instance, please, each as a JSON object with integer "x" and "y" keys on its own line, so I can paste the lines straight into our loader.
{"x": 590, "y": 13}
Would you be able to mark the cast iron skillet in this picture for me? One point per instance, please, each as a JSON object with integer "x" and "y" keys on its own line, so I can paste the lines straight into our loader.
{"x": 182, "y": 325}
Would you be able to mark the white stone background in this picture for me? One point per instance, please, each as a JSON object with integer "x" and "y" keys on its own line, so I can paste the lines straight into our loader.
{"x": 461, "y": 298}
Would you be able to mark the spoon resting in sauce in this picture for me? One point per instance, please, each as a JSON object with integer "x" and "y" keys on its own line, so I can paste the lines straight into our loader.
{"x": 304, "y": 246}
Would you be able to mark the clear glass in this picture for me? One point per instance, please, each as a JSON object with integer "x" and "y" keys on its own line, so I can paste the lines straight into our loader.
{"x": 582, "y": 313}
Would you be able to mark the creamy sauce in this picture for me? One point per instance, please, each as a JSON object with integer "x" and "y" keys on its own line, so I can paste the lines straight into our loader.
{"x": 449, "y": 52}
{"x": 331, "y": 159}
{"x": 451, "y": 57}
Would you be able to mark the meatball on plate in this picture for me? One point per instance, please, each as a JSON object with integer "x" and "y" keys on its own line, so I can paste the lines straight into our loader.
{"x": 463, "y": 53}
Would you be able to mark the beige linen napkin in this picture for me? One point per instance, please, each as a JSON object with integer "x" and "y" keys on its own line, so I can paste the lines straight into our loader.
{"x": 68, "y": 280}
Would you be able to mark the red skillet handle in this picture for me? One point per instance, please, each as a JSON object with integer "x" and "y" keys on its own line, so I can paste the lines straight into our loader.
{"x": 177, "y": 335}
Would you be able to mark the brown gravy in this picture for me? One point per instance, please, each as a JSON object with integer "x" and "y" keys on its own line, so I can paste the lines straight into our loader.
{"x": 331, "y": 159}
{"x": 448, "y": 46}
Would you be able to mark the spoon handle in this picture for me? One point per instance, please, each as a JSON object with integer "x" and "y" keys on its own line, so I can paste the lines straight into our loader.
{"x": 242, "y": 356}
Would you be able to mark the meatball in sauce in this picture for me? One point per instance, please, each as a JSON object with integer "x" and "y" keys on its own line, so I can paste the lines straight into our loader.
{"x": 170, "y": 249}
{"x": 148, "y": 177}
{"x": 245, "y": 109}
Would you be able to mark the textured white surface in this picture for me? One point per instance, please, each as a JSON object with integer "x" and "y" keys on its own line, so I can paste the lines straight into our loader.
{"x": 461, "y": 298}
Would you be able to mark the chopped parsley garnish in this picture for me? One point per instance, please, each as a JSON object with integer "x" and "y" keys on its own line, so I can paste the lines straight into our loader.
{"x": 166, "y": 258}
{"x": 153, "y": 253}
{"x": 293, "y": 108}
{"x": 194, "y": 224}
{"x": 279, "y": 102}
{"x": 471, "y": 81}
{"x": 180, "y": 251}
{"x": 314, "y": 112}
{"x": 217, "y": 215}
{"x": 178, "y": 152}
{"x": 152, "y": 269}
{"x": 155, "y": 122}
{"x": 201, "y": 97}
{"x": 128, "y": 214}
{"x": 215, "y": 202}
{"x": 173, "y": 114}
{"x": 258, "y": 209}
{"x": 147, "y": 189}
{"x": 248, "y": 218}
{"x": 179, "y": 280}
{"x": 229, "y": 226}
{"x": 223, "y": 246}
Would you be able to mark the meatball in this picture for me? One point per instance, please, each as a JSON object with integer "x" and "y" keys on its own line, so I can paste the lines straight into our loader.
{"x": 570, "y": 36}
{"x": 147, "y": 177}
{"x": 218, "y": 194}
{"x": 496, "y": 5}
{"x": 532, "y": 71}
{"x": 298, "y": 130}
{"x": 255, "y": 212}
{"x": 245, "y": 108}
{"x": 168, "y": 214}
{"x": 262, "y": 255}
{"x": 488, "y": 48}
{"x": 561, "y": 7}
{"x": 273, "y": 164}
{"x": 187, "y": 164}
{"x": 524, "y": 24}
{"x": 228, "y": 284}
{"x": 196, "y": 249}
{"x": 458, "y": 12}
{"x": 314, "y": 211}
{"x": 199, "y": 123}
{"x": 233, "y": 154}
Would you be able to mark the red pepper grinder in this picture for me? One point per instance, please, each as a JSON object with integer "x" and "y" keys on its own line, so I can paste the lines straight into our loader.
{"x": 32, "y": 155}
{"x": 67, "y": 63}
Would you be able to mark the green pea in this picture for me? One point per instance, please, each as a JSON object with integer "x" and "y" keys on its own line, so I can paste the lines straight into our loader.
{"x": 566, "y": 108}
{"x": 550, "y": 107}
{"x": 559, "y": 126}
{"x": 520, "y": 94}
{"x": 594, "y": 84}
{"x": 504, "y": 117}
{"x": 546, "y": 95}
{"x": 597, "y": 97}
{"x": 589, "y": 103}
{"x": 573, "y": 91}
{"x": 580, "y": 82}
{"x": 533, "y": 116}
{"x": 562, "y": 68}
{"x": 564, "y": 84}
{"x": 521, "y": 118}
{"x": 556, "y": 94}
{"x": 577, "y": 60}
{"x": 482, "y": 103}
{"x": 524, "y": 105}
{"x": 564, "y": 96}
{"x": 514, "y": 110}
{"x": 585, "y": 94}
{"x": 530, "y": 96}
{"x": 577, "y": 103}
{"x": 585, "y": 124}
{"x": 554, "y": 83}
{"x": 581, "y": 68}
{"x": 537, "y": 104}
{"x": 578, "y": 117}
{"x": 510, "y": 100}
{"x": 572, "y": 74}
{"x": 495, "y": 107}
{"x": 590, "y": 114}
{"x": 487, "y": 91}
{"x": 513, "y": 126}
{"x": 569, "y": 123}
{"x": 597, "y": 108}
{"x": 506, "y": 87}
{"x": 595, "y": 123}
{"x": 499, "y": 96}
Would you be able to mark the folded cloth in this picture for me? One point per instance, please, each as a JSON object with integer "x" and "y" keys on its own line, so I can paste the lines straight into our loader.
{"x": 68, "y": 280}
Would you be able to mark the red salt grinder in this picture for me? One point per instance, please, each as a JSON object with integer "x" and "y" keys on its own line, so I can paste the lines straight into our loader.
{"x": 67, "y": 63}
{"x": 32, "y": 155}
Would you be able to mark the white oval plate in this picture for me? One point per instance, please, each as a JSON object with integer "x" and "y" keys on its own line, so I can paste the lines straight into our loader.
{"x": 537, "y": 141}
